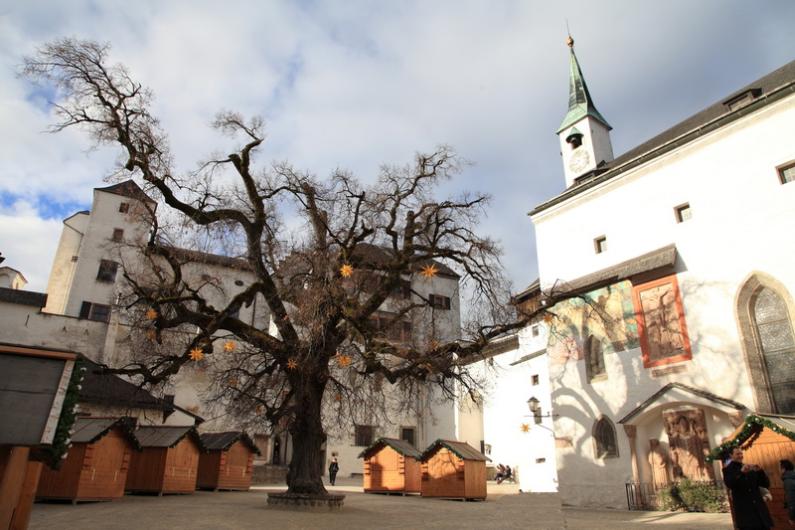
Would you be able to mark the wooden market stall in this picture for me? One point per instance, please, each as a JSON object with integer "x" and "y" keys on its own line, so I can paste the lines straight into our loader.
{"x": 392, "y": 466}
{"x": 453, "y": 470}
{"x": 168, "y": 460}
{"x": 95, "y": 468}
{"x": 227, "y": 462}
{"x": 37, "y": 394}
{"x": 765, "y": 440}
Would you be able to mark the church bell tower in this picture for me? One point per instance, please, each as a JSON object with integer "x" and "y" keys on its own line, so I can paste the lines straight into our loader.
{"x": 584, "y": 134}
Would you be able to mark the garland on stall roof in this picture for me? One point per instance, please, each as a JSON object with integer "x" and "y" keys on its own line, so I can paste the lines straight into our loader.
{"x": 56, "y": 453}
{"x": 753, "y": 423}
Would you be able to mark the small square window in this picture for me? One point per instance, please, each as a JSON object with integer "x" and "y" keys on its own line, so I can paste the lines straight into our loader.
{"x": 600, "y": 244}
{"x": 124, "y": 207}
{"x": 540, "y": 460}
{"x": 787, "y": 173}
{"x": 408, "y": 434}
{"x": 535, "y": 330}
{"x": 535, "y": 379}
{"x": 118, "y": 234}
{"x": 682, "y": 212}
{"x": 107, "y": 271}
{"x": 438, "y": 301}
{"x": 364, "y": 435}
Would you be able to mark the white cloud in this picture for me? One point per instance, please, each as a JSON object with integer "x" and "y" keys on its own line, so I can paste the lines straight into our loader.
{"x": 28, "y": 242}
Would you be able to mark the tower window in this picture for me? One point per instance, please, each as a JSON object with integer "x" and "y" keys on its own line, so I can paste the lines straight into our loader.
{"x": 682, "y": 212}
{"x": 107, "y": 271}
{"x": 438, "y": 301}
{"x": 600, "y": 244}
{"x": 787, "y": 172}
{"x": 574, "y": 139}
{"x": 535, "y": 379}
{"x": 124, "y": 207}
{"x": 118, "y": 234}
{"x": 92, "y": 311}
{"x": 535, "y": 330}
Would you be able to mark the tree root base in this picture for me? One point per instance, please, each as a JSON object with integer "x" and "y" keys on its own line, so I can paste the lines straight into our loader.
{"x": 306, "y": 501}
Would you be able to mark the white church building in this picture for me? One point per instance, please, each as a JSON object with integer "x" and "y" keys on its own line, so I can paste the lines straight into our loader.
{"x": 676, "y": 266}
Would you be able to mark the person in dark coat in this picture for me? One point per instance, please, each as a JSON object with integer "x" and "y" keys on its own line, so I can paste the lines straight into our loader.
{"x": 788, "y": 478}
{"x": 744, "y": 481}
{"x": 333, "y": 469}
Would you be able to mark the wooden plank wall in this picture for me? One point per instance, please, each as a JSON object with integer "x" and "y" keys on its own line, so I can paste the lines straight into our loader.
{"x": 182, "y": 463}
{"x": 443, "y": 475}
{"x": 14, "y": 466}
{"x": 412, "y": 476}
{"x": 766, "y": 451}
{"x": 27, "y": 494}
{"x": 209, "y": 469}
{"x": 385, "y": 471}
{"x": 147, "y": 470}
{"x": 62, "y": 483}
{"x": 475, "y": 478}
{"x": 236, "y": 467}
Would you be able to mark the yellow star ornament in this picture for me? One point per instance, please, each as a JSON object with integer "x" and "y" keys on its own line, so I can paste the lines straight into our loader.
{"x": 525, "y": 427}
{"x": 429, "y": 271}
{"x": 346, "y": 271}
{"x": 292, "y": 364}
{"x": 229, "y": 346}
{"x": 196, "y": 354}
{"x": 151, "y": 334}
{"x": 151, "y": 314}
{"x": 344, "y": 360}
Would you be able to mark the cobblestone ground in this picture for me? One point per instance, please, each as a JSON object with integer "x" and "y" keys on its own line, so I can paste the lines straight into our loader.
{"x": 247, "y": 510}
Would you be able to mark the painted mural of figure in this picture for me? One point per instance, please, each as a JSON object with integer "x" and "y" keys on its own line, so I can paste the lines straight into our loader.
{"x": 687, "y": 447}
{"x": 660, "y": 464}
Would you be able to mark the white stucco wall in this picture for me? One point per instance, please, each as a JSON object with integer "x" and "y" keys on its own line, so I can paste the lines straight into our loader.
{"x": 743, "y": 221}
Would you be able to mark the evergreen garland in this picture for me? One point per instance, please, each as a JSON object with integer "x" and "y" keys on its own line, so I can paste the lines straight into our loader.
{"x": 55, "y": 454}
{"x": 753, "y": 424}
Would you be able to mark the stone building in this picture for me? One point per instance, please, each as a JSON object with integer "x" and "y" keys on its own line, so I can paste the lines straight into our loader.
{"x": 675, "y": 261}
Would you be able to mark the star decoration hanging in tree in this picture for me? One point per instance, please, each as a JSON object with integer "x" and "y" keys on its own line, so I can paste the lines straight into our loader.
{"x": 346, "y": 271}
{"x": 548, "y": 318}
{"x": 151, "y": 313}
{"x": 344, "y": 360}
{"x": 337, "y": 397}
{"x": 429, "y": 271}
{"x": 525, "y": 427}
{"x": 151, "y": 334}
{"x": 196, "y": 354}
{"x": 229, "y": 346}
{"x": 292, "y": 364}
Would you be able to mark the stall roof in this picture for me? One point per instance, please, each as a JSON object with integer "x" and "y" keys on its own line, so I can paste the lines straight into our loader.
{"x": 165, "y": 436}
{"x": 461, "y": 449}
{"x": 221, "y": 441}
{"x": 401, "y": 446}
{"x": 90, "y": 430}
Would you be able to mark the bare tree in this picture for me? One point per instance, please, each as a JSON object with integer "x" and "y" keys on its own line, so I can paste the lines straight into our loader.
{"x": 323, "y": 284}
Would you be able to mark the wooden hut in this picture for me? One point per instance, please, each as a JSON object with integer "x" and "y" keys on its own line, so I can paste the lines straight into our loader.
{"x": 35, "y": 390}
{"x": 95, "y": 468}
{"x": 765, "y": 440}
{"x": 227, "y": 462}
{"x": 168, "y": 460}
{"x": 453, "y": 470}
{"x": 391, "y": 466}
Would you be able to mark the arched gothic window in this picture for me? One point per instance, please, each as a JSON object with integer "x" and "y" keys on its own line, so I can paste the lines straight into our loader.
{"x": 776, "y": 343}
{"x": 594, "y": 358}
{"x": 604, "y": 435}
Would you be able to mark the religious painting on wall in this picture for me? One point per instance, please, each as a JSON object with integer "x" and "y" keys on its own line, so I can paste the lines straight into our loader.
{"x": 661, "y": 322}
{"x": 607, "y": 313}
{"x": 688, "y": 444}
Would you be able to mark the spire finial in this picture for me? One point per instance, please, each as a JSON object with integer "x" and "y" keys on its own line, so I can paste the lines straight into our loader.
{"x": 570, "y": 42}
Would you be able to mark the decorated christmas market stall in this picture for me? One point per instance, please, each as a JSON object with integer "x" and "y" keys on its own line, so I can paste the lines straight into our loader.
{"x": 95, "y": 468}
{"x": 765, "y": 440}
{"x": 168, "y": 460}
{"x": 38, "y": 393}
{"x": 392, "y": 465}
{"x": 227, "y": 461}
{"x": 453, "y": 470}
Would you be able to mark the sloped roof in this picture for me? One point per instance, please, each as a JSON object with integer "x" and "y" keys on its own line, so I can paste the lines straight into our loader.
{"x": 777, "y": 84}
{"x": 783, "y": 425}
{"x": 221, "y": 441}
{"x": 127, "y": 188}
{"x": 21, "y": 297}
{"x": 689, "y": 389}
{"x": 461, "y": 449}
{"x": 104, "y": 388}
{"x": 164, "y": 436}
{"x": 401, "y": 446}
{"x": 90, "y": 430}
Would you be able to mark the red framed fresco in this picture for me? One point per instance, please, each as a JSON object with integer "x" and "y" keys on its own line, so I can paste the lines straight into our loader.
{"x": 661, "y": 322}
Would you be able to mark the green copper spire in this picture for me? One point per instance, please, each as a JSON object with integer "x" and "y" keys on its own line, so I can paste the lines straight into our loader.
{"x": 580, "y": 102}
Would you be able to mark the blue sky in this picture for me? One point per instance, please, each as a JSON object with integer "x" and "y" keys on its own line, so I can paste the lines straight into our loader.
{"x": 356, "y": 84}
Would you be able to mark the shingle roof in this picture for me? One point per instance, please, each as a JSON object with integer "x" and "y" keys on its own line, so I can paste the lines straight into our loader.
{"x": 164, "y": 436}
{"x": 374, "y": 256}
{"x": 127, "y": 188}
{"x": 777, "y": 84}
{"x": 104, "y": 388}
{"x": 18, "y": 296}
{"x": 90, "y": 430}
{"x": 461, "y": 449}
{"x": 221, "y": 441}
{"x": 401, "y": 446}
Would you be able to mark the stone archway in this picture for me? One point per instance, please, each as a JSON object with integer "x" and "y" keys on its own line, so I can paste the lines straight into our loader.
{"x": 768, "y": 341}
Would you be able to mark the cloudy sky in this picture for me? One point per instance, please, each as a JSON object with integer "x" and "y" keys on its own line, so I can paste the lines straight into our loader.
{"x": 354, "y": 84}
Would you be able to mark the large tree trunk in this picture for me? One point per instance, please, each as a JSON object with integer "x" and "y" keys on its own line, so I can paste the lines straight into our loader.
{"x": 306, "y": 465}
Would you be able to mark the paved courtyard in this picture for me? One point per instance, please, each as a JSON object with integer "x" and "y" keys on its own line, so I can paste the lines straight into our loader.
{"x": 247, "y": 510}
